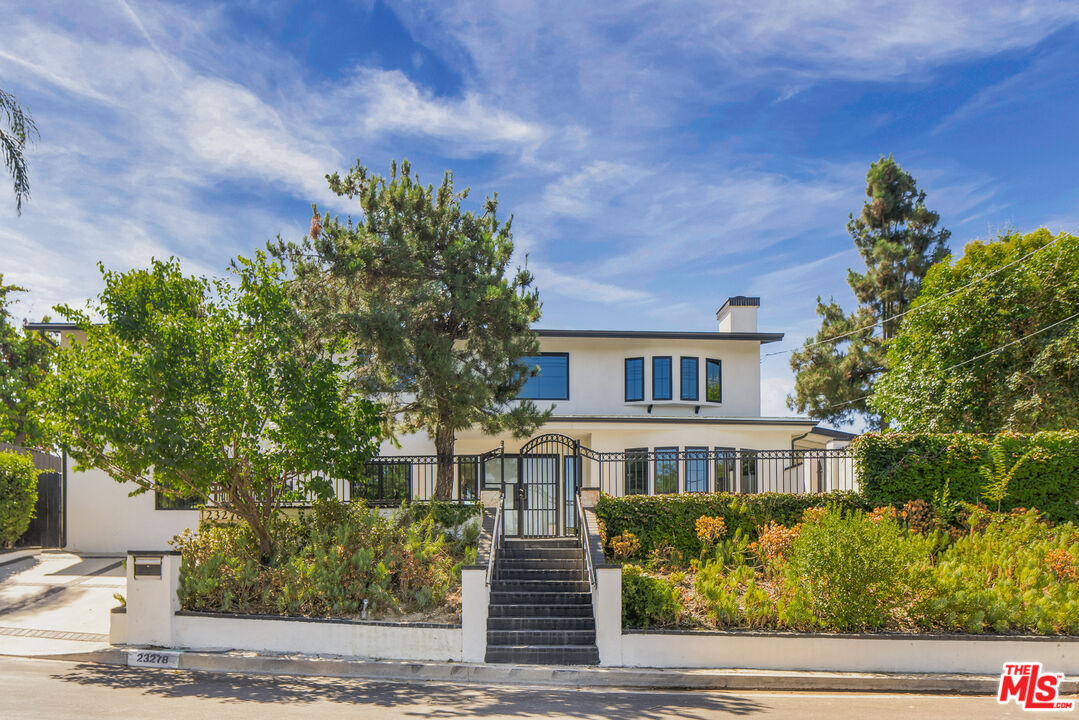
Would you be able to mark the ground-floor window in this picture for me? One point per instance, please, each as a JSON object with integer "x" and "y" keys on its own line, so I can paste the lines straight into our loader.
{"x": 636, "y": 471}
{"x": 696, "y": 469}
{"x": 725, "y": 465}
{"x": 386, "y": 482}
{"x": 165, "y": 501}
{"x": 666, "y": 470}
{"x": 468, "y": 478}
{"x": 749, "y": 471}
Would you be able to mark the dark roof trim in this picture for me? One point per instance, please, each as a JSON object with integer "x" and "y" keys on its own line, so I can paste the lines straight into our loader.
{"x": 837, "y": 434}
{"x": 762, "y": 338}
{"x": 694, "y": 420}
{"x": 738, "y": 301}
{"x": 51, "y": 326}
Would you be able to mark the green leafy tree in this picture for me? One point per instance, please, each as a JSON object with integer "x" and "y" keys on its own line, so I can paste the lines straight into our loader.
{"x": 206, "y": 388}
{"x": 945, "y": 372}
{"x": 13, "y": 139}
{"x": 898, "y": 239}
{"x": 24, "y": 361}
{"x": 18, "y": 494}
{"x": 420, "y": 289}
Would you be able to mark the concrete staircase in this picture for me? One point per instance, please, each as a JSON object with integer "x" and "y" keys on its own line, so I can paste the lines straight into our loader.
{"x": 541, "y": 605}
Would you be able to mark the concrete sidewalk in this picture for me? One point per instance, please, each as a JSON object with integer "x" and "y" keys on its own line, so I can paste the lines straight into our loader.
{"x": 577, "y": 677}
{"x": 54, "y": 603}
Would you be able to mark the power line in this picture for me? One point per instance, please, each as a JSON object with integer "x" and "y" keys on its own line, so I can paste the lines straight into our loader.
{"x": 920, "y": 307}
{"x": 976, "y": 357}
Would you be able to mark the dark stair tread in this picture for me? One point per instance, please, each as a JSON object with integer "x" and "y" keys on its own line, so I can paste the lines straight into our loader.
{"x": 558, "y": 622}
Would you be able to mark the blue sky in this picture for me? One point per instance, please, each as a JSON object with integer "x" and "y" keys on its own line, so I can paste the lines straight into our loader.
{"x": 657, "y": 157}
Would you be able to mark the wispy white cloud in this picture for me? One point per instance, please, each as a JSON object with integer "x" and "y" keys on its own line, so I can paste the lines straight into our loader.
{"x": 387, "y": 102}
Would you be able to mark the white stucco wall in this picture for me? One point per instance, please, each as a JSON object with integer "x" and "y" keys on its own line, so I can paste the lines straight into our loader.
{"x": 844, "y": 653}
{"x": 102, "y": 519}
{"x": 597, "y": 376}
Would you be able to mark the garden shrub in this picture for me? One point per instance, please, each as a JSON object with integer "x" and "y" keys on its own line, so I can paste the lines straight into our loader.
{"x": 671, "y": 519}
{"x": 894, "y": 468}
{"x": 648, "y": 600}
{"x": 1011, "y": 575}
{"x": 18, "y": 494}
{"x": 855, "y": 570}
{"x": 326, "y": 562}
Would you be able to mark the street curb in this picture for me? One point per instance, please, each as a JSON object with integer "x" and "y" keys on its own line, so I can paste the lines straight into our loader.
{"x": 577, "y": 677}
{"x": 16, "y": 555}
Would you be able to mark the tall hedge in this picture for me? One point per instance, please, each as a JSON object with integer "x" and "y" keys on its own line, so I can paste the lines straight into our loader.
{"x": 896, "y": 467}
{"x": 18, "y": 494}
{"x": 671, "y": 519}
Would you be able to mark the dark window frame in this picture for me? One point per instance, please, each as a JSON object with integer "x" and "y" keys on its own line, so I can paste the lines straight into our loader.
{"x": 670, "y": 377}
{"x": 625, "y": 378}
{"x": 728, "y": 456}
{"x": 695, "y": 455}
{"x": 656, "y": 459}
{"x": 189, "y": 502}
{"x": 635, "y": 455}
{"x": 696, "y": 378}
{"x": 362, "y": 490}
{"x": 550, "y": 354}
{"x": 748, "y": 481}
{"x": 472, "y": 462}
{"x": 708, "y": 362}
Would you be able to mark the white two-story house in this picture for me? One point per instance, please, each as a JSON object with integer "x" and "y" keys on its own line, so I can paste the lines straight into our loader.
{"x": 634, "y": 412}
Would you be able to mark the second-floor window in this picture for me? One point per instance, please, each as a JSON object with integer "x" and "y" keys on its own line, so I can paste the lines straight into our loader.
{"x": 661, "y": 378}
{"x": 689, "y": 379}
{"x": 713, "y": 381}
{"x": 634, "y": 379}
{"x": 552, "y": 382}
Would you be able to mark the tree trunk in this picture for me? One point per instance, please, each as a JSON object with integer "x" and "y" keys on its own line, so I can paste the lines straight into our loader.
{"x": 444, "y": 439}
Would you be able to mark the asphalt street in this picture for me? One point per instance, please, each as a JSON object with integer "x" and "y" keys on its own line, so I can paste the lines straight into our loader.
{"x": 40, "y": 689}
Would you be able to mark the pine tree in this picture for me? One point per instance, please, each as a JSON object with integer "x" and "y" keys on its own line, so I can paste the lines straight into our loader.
{"x": 419, "y": 288}
{"x": 898, "y": 239}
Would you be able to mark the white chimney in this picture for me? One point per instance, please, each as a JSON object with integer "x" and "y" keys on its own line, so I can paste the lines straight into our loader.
{"x": 738, "y": 314}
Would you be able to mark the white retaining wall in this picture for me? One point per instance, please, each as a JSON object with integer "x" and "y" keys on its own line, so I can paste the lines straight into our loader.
{"x": 845, "y": 653}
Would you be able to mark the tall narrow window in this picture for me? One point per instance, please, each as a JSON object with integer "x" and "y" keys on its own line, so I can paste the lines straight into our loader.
{"x": 749, "y": 471}
{"x": 666, "y": 471}
{"x": 713, "y": 381}
{"x": 696, "y": 469}
{"x": 634, "y": 379}
{"x": 637, "y": 471}
{"x": 387, "y": 483}
{"x": 552, "y": 380}
{"x": 468, "y": 477}
{"x": 725, "y": 478}
{"x": 661, "y": 378}
{"x": 689, "y": 379}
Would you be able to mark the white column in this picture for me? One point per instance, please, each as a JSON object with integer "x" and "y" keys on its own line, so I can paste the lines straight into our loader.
{"x": 153, "y": 579}
{"x": 475, "y": 599}
{"x": 607, "y": 610}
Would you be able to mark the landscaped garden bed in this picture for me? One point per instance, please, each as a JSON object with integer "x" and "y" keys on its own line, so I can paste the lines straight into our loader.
{"x": 335, "y": 560}
{"x": 763, "y": 563}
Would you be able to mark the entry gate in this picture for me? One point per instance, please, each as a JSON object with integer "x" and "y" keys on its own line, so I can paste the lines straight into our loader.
{"x": 539, "y": 489}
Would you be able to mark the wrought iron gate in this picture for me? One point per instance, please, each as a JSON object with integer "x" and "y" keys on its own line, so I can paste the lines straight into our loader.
{"x": 539, "y": 498}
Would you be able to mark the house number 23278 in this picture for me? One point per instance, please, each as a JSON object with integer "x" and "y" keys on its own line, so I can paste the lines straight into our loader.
{"x": 150, "y": 658}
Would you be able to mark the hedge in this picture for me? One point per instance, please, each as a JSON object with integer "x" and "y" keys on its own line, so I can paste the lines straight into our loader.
{"x": 18, "y": 494}
{"x": 893, "y": 468}
{"x": 671, "y": 519}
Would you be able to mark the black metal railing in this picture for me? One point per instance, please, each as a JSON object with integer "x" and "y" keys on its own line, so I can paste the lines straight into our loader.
{"x": 671, "y": 470}
{"x": 543, "y": 480}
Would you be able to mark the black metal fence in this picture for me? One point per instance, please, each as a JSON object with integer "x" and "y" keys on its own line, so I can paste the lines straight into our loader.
{"x": 548, "y": 473}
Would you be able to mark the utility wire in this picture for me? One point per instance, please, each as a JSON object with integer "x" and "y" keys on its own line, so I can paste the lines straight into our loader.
{"x": 975, "y": 281}
{"x": 976, "y": 357}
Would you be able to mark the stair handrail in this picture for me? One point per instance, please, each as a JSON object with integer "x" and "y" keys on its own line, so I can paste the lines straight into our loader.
{"x": 495, "y": 537}
{"x": 586, "y": 546}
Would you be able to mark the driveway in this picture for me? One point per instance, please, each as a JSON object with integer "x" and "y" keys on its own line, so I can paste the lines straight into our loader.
{"x": 55, "y": 602}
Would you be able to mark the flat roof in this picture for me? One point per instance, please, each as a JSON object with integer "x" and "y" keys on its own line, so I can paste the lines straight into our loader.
{"x": 691, "y": 419}
{"x": 762, "y": 338}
